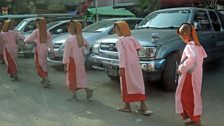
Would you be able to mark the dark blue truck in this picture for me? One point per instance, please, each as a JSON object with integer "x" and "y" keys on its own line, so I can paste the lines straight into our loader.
{"x": 162, "y": 47}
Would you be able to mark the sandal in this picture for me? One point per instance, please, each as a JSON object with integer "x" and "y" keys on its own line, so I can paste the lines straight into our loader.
{"x": 121, "y": 109}
{"x": 47, "y": 86}
{"x": 195, "y": 124}
{"x": 144, "y": 112}
{"x": 188, "y": 123}
{"x": 89, "y": 93}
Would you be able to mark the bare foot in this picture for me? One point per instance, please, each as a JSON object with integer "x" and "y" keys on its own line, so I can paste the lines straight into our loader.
{"x": 123, "y": 109}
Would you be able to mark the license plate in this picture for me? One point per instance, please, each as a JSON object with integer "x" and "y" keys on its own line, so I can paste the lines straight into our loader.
{"x": 112, "y": 71}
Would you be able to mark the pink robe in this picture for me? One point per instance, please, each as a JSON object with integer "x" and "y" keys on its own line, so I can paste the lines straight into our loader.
{"x": 1, "y": 47}
{"x": 196, "y": 55}
{"x": 9, "y": 40}
{"x": 41, "y": 48}
{"x": 129, "y": 59}
{"x": 73, "y": 53}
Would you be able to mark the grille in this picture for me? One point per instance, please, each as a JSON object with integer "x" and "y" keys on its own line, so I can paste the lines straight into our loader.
{"x": 111, "y": 47}
{"x": 57, "y": 45}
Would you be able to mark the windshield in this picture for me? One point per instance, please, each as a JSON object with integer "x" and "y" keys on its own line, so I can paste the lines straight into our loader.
{"x": 21, "y": 25}
{"x": 165, "y": 19}
{"x": 99, "y": 26}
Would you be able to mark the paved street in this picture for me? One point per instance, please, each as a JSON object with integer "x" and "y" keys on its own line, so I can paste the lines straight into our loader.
{"x": 25, "y": 103}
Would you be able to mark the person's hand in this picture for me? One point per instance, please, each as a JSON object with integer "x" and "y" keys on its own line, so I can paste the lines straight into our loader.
{"x": 178, "y": 72}
{"x": 26, "y": 45}
{"x": 65, "y": 68}
{"x": 121, "y": 71}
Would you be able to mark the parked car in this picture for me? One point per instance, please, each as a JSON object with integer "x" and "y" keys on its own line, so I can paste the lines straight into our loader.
{"x": 27, "y": 26}
{"x": 161, "y": 46}
{"x": 91, "y": 33}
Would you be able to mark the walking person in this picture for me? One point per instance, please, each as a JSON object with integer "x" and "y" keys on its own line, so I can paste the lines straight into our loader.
{"x": 1, "y": 45}
{"x": 131, "y": 78}
{"x": 42, "y": 39}
{"x": 9, "y": 38}
{"x": 73, "y": 60}
{"x": 188, "y": 92}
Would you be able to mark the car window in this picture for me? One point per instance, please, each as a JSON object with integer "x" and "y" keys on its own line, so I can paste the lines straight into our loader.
{"x": 132, "y": 23}
{"x": 21, "y": 25}
{"x": 165, "y": 19}
{"x": 51, "y": 24}
{"x": 99, "y": 26}
{"x": 30, "y": 26}
{"x": 221, "y": 16}
{"x": 215, "y": 21}
{"x": 202, "y": 21}
{"x": 60, "y": 28}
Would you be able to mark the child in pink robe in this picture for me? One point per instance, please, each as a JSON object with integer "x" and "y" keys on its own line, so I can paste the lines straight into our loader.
{"x": 9, "y": 38}
{"x": 188, "y": 92}
{"x": 42, "y": 42}
{"x": 1, "y": 45}
{"x": 74, "y": 60}
{"x": 131, "y": 78}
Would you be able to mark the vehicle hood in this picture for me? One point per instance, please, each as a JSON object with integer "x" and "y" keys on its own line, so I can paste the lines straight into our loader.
{"x": 144, "y": 36}
{"x": 90, "y": 37}
{"x": 60, "y": 38}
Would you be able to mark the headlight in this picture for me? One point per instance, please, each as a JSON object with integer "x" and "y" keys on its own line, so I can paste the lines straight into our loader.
{"x": 147, "y": 52}
{"x": 95, "y": 48}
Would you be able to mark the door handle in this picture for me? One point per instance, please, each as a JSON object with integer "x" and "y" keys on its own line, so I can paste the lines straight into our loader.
{"x": 212, "y": 36}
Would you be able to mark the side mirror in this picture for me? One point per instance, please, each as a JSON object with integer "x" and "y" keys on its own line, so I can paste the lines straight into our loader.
{"x": 136, "y": 26}
{"x": 197, "y": 25}
{"x": 59, "y": 30}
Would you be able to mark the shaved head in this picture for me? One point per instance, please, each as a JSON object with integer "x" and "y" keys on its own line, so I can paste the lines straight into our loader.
{"x": 185, "y": 29}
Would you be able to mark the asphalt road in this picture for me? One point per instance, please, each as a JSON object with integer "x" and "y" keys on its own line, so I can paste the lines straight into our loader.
{"x": 25, "y": 103}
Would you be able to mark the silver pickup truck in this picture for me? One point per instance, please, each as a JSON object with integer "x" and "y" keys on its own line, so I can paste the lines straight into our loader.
{"x": 161, "y": 45}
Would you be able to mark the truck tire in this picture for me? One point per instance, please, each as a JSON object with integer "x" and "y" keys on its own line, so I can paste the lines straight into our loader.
{"x": 170, "y": 78}
{"x": 28, "y": 55}
{"x": 114, "y": 78}
{"x": 88, "y": 63}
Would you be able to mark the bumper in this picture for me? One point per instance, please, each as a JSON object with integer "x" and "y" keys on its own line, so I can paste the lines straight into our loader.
{"x": 29, "y": 49}
{"x": 57, "y": 58}
{"x": 151, "y": 69}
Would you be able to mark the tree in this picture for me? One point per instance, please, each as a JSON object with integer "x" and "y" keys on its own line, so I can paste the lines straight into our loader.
{"x": 144, "y": 7}
{"x": 210, "y": 3}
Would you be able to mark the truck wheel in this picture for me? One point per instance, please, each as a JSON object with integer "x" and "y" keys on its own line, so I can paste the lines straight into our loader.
{"x": 170, "y": 78}
{"x": 114, "y": 78}
{"x": 88, "y": 64}
{"x": 28, "y": 55}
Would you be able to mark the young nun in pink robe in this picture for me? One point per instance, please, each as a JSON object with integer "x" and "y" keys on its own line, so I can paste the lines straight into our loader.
{"x": 1, "y": 45}
{"x": 131, "y": 78}
{"x": 74, "y": 61}
{"x": 188, "y": 92}
{"x": 9, "y": 38}
{"x": 42, "y": 39}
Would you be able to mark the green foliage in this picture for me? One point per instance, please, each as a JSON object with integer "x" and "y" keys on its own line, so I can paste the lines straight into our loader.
{"x": 146, "y": 6}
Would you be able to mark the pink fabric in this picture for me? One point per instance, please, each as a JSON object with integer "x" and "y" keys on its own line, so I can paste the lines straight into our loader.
{"x": 42, "y": 48}
{"x": 71, "y": 50}
{"x": 11, "y": 65}
{"x": 128, "y": 56}
{"x": 1, "y": 47}
{"x": 187, "y": 100}
{"x": 40, "y": 72}
{"x": 129, "y": 97}
{"x": 196, "y": 55}
{"x": 71, "y": 75}
{"x": 9, "y": 41}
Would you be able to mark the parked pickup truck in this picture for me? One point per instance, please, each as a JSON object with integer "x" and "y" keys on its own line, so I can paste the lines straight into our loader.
{"x": 161, "y": 45}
